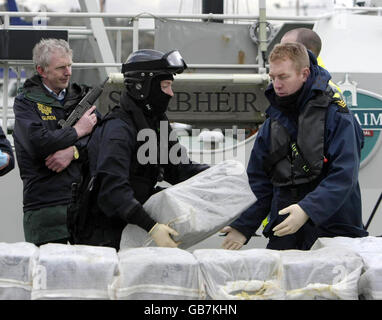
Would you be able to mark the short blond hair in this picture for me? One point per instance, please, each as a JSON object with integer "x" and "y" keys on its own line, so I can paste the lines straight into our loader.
{"x": 294, "y": 51}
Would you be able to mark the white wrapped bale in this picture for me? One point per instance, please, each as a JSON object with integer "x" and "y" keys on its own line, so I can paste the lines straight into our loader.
{"x": 74, "y": 272}
{"x": 17, "y": 261}
{"x": 370, "y": 283}
{"x": 197, "y": 207}
{"x": 240, "y": 275}
{"x": 157, "y": 274}
{"x": 370, "y": 249}
{"x": 327, "y": 273}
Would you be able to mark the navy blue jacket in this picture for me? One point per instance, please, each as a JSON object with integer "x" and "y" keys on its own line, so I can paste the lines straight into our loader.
{"x": 334, "y": 205}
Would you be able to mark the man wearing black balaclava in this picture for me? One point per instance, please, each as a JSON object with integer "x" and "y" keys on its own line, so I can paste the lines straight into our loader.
{"x": 124, "y": 181}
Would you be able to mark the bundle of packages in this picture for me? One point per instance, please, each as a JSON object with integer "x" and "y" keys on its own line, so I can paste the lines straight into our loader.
{"x": 240, "y": 275}
{"x": 326, "y": 273}
{"x": 74, "y": 272}
{"x": 197, "y": 207}
{"x": 370, "y": 249}
{"x": 157, "y": 274}
{"x": 17, "y": 261}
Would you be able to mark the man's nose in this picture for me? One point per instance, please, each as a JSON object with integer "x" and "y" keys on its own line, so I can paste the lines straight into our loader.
{"x": 277, "y": 83}
{"x": 68, "y": 70}
{"x": 169, "y": 91}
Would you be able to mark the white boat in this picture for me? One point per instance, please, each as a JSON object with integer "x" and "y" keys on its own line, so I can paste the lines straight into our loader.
{"x": 223, "y": 88}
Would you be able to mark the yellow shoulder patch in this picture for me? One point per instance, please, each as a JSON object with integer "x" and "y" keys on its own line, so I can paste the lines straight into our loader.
{"x": 44, "y": 109}
{"x": 340, "y": 103}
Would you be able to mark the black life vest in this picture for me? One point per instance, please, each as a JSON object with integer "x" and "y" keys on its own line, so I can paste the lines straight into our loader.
{"x": 291, "y": 162}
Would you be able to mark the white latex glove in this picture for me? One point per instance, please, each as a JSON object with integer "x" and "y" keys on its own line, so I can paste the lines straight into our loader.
{"x": 4, "y": 159}
{"x": 234, "y": 239}
{"x": 161, "y": 234}
{"x": 297, "y": 218}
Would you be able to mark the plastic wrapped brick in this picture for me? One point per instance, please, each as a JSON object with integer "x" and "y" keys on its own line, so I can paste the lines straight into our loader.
{"x": 197, "y": 207}
{"x": 74, "y": 272}
{"x": 17, "y": 261}
{"x": 240, "y": 275}
{"x": 157, "y": 274}
{"x": 326, "y": 273}
{"x": 370, "y": 249}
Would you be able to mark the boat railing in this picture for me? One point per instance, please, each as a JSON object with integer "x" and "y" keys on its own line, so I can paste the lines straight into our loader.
{"x": 84, "y": 32}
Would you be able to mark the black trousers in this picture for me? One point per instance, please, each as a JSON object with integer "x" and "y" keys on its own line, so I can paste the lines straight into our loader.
{"x": 303, "y": 239}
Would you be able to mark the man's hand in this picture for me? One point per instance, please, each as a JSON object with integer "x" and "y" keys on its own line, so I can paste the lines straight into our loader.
{"x": 297, "y": 218}
{"x": 161, "y": 234}
{"x": 86, "y": 123}
{"x": 234, "y": 239}
{"x": 60, "y": 160}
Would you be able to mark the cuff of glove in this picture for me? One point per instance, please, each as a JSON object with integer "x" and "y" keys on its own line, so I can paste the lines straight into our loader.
{"x": 152, "y": 230}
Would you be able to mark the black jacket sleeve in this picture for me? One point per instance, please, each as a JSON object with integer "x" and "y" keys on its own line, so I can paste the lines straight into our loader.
{"x": 116, "y": 196}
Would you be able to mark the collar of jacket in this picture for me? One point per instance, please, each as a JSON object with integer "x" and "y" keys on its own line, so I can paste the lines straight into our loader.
{"x": 317, "y": 81}
{"x": 35, "y": 91}
{"x": 142, "y": 118}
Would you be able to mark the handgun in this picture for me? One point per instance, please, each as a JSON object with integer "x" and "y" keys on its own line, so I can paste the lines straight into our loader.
{"x": 84, "y": 105}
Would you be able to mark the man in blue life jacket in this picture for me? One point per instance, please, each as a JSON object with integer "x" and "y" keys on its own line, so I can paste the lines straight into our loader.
{"x": 304, "y": 164}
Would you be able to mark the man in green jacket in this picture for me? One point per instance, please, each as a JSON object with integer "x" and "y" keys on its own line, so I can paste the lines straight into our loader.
{"x": 49, "y": 156}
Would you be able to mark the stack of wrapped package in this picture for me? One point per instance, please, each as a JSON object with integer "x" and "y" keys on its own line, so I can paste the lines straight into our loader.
{"x": 74, "y": 272}
{"x": 240, "y": 275}
{"x": 328, "y": 273}
{"x": 17, "y": 262}
{"x": 370, "y": 249}
{"x": 157, "y": 274}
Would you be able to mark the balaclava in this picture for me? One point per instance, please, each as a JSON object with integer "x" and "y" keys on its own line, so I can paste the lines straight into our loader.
{"x": 157, "y": 99}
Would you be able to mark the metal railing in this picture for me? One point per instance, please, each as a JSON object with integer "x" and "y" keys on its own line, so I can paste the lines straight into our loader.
{"x": 76, "y": 32}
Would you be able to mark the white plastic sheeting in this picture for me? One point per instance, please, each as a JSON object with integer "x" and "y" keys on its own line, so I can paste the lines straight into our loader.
{"x": 197, "y": 207}
{"x": 327, "y": 273}
{"x": 336, "y": 268}
{"x": 370, "y": 249}
{"x": 74, "y": 272}
{"x": 255, "y": 274}
{"x": 17, "y": 262}
{"x": 157, "y": 273}
{"x": 245, "y": 274}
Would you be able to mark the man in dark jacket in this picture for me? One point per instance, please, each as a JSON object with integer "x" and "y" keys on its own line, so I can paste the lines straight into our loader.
{"x": 7, "y": 161}
{"x": 48, "y": 156}
{"x": 126, "y": 175}
{"x": 304, "y": 164}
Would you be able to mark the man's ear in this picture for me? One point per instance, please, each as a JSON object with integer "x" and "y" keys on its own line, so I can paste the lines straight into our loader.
{"x": 40, "y": 70}
{"x": 305, "y": 73}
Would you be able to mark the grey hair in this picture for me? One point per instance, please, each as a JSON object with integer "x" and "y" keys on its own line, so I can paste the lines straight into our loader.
{"x": 43, "y": 50}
